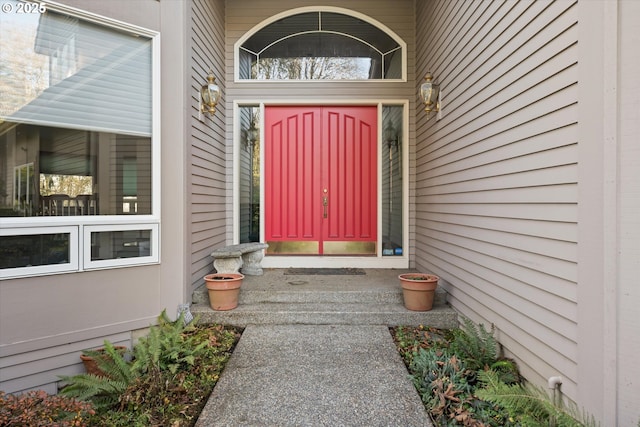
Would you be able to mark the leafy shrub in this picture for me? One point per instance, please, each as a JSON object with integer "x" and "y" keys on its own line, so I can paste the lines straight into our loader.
{"x": 39, "y": 409}
{"x": 103, "y": 391}
{"x": 530, "y": 405}
{"x": 174, "y": 368}
{"x": 167, "y": 347}
{"x": 410, "y": 339}
{"x": 477, "y": 346}
{"x": 463, "y": 381}
{"x": 440, "y": 378}
{"x": 444, "y": 367}
{"x": 160, "y": 397}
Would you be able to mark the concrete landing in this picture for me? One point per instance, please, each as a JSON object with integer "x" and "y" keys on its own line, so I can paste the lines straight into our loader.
{"x": 315, "y": 375}
{"x": 276, "y": 298}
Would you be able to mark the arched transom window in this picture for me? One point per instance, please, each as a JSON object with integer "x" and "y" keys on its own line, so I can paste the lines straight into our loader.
{"x": 321, "y": 45}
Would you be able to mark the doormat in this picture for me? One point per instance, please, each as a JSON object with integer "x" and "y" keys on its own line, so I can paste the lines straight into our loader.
{"x": 324, "y": 271}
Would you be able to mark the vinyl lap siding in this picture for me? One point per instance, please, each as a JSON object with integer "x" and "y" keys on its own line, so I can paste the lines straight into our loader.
{"x": 628, "y": 393}
{"x": 496, "y": 177}
{"x": 208, "y": 151}
{"x": 40, "y": 369}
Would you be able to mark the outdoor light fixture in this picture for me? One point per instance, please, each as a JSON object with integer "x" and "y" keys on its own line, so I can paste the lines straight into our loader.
{"x": 209, "y": 95}
{"x": 429, "y": 92}
{"x": 390, "y": 135}
{"x": 252, "y": 135}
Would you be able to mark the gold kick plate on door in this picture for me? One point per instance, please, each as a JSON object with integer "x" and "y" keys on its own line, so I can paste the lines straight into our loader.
{"x": 299, "y": 247}
{"x": 349, "y": 248}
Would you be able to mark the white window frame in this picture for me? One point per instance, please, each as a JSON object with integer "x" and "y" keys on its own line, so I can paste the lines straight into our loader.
{"x": 153, "y": 258}
{"x": 46, "y": 269}
{"x": 80, "y": 224}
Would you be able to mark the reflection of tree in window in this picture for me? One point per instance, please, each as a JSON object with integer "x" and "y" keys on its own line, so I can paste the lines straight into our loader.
{"x": 312, "y": 69}
{"x": 72, "y": 185}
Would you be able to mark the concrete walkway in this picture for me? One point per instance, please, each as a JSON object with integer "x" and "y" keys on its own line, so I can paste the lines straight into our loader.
{"x": 315, "y": 375}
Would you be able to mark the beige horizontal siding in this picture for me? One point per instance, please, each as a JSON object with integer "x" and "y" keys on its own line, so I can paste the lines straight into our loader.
{"x": 496, "y": 178}
{"x": 40, "y": 369}
{"x": 208, "y": 152}
{"x": 628, "y": 393}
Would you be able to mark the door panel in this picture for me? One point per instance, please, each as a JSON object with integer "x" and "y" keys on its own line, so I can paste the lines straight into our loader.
{"x": 321, "y": 180}
{"x": 351, "y": 170}
{"x": 292, "y": 179}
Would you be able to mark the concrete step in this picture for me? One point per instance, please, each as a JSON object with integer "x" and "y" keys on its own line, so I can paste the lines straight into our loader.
{"x": 316, "y": 295}
{"x": 287, "y": 313}
{"x": 276, "y": 298}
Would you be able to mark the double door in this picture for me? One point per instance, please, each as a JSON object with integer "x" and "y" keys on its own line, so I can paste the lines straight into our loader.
{"x": 321, "y": 180}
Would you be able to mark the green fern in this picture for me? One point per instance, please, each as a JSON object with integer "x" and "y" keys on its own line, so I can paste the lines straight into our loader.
{"x": 103, "y": 391}
{"x": 475, "y": 345}
{"x": 507, "y": 371}
{"x": 531, "y": 405}
{"x": 168, "y": 346}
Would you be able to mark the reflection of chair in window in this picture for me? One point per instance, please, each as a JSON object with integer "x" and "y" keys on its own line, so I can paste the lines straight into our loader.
{"x": 45, "y": 206}
{"x": 57, "y": 204}
{"x": 86, "y": 204}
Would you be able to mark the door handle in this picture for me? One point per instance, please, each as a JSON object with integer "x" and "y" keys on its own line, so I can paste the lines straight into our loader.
{"x": 325, "y": 203}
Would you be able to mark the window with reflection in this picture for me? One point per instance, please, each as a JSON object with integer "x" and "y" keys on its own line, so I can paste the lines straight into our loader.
{"x": 320, "y": 46}
{"x": 120, "y": 244}
{"x": 65, "y": 172}
{"x": 249, "y": 150}
{"x": 34, "y": 250}
{"x": 392, "y": 202}
{"x": 75, "y": 117}
{"x": 76, "y": 141}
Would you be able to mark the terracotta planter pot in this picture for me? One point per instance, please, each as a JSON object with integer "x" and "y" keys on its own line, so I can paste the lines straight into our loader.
{"x": 90, "y": 364}
{"x": 224, "y": 289}
{"x": 418, "y": 290}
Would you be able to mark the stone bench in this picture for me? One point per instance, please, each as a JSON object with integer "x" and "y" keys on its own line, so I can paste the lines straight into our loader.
{"x": 245, "y": 256}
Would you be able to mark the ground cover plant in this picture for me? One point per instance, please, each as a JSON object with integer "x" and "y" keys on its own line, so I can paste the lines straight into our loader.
{"x": 164, "y": 381}
{"x": 463, "y": 380}
{"x": 39, "y": 409}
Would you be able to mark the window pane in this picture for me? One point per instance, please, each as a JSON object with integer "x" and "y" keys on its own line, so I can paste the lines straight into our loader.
{"x": 47, "y": 171}
{"x": 359, "y": 29}
{"x": 33, "y": 250}
{"x": 320, "y": 46}
{"x": 63, "y": 71}
{"x": 249, "y": 175}
{"x": 245, "y": 67}
{"x": 314, "y": 68}
{"x": 392, "y": 203}
{"x": 335, "y": 57}
{"x": 282, "y": 28}
{"x": 120, "y": 244}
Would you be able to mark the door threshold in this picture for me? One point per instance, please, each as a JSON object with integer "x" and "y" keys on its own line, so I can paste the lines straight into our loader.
{"x": 281, "y": 261}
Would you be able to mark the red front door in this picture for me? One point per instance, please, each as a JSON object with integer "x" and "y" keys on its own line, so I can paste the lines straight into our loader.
{"x": 321, "y": 180}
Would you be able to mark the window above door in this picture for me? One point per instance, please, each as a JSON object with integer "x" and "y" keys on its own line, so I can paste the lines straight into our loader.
{"x": 331, "y": 44}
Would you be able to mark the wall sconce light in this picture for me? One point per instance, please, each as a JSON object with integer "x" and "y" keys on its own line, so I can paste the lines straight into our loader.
{"x": 209, "y": 95}
{"x": 429, "y": 92}
{"x": 390, "y": 135}
{"x": 251, "y": 136}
